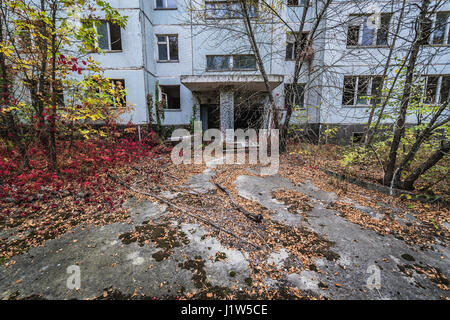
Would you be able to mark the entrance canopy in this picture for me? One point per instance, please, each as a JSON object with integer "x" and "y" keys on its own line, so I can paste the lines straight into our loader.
{"x": 215, "y": 82}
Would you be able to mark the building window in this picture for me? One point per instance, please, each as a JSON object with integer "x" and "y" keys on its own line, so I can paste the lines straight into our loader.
{"x": 230, "y": 63}
{"x": 359, "y": 33}
{"x": 294, "y": 95}
{"x": 119, "y": 98}
{"x": 229, "y": 9}
{"x": 436, "y": 29}
{"x": 167, "y": 48}
{"x": 296, "y": 3}
{"x": 361, "y": 90}
{"x": 357, "y": 137}
{"x": 437, "y": 89}
{"x": 290, "y": 44}
{"x": 170, "y": 96}
{"x": 109, "y": 37}
{"x": 166, "y": 4}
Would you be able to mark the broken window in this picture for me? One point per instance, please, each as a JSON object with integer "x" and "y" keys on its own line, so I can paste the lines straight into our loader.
{"x": 230, "y": 63}
{"x": 170, "y": 96}
{"x": 167, "y": 48}
{"x": 291, "y": 44}
{"x": 166, "y": 4}
{"x": 361, "y": 32}
{"x": 109, "y": 37}
{"x": 360, "y": 90}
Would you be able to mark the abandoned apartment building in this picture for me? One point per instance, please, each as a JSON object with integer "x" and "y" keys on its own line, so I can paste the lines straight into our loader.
{"x": 216, "y": 80}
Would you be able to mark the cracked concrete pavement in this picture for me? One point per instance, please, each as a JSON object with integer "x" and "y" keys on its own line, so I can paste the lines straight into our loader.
{"x": 106, "y": 262}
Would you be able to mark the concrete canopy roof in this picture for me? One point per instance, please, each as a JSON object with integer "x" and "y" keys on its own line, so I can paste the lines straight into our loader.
{"x": 215, "y": 82}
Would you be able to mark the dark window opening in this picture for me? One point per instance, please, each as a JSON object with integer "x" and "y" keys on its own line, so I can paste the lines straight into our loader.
{"x": 445, "y": 90}
{"x": 294, "y": 95}
{"x": 348, "y": 97}
{"x": 291, "y": 47}
{"x": 357, "y": 137}
{"x": 353, "y": 36}
{"x": 431, "y": 89}
{"x": 120, "y": 99}
{"x": 426, "y": 31}
{"x": 383, "y": 32}
{"x": 170, "y": 95}
{"x": 109, "y": 36}
{"x": 363, "y": 90}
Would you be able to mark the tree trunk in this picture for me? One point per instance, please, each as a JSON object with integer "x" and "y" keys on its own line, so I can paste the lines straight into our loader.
{"x": 262, "y": 70}
{"x": 399, "y": 128}
{"x": 420, "y": 139}
{"x": 408, "y": 183}
{"x": 298, "y": 66}
{"x": 52, "y": 123}
{"x": 369, "y": 135}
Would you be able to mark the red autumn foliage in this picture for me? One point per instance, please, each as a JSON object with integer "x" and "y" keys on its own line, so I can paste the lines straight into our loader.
{"x": 81, "y": 163}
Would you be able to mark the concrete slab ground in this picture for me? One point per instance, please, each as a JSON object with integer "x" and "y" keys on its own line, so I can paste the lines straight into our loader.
{"x": 370, "y": 266}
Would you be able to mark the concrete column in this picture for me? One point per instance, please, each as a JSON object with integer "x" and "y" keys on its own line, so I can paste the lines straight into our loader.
{"x": 226, "y": 110}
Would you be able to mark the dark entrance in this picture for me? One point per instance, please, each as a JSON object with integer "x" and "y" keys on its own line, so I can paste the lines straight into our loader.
{"x": 210, "y": 116}
{"x": 248, "y": 117}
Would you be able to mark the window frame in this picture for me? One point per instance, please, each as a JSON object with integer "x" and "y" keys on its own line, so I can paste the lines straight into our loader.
{"x": 167, "y": 43}
{"x": 305, "y": 35}
{"x": 437, "y": 99}
{"x": 124, "y": 103}
{"x": 108, "y": 24}
{"x": 161, "y": 90}
{"x": 361, "y": 31}
{"x": 165, "y": 5}
{"x": 231, "y": 69}
{"x": 433, "y": 18}
{"x": 370, "y": 91}
{"x": 208, "y": 17}
{"x": 288, "y": 86}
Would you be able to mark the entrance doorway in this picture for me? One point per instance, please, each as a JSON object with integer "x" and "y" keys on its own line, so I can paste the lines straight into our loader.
{"x": 248, "y": 117}
{"x": 210, "y": 116}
